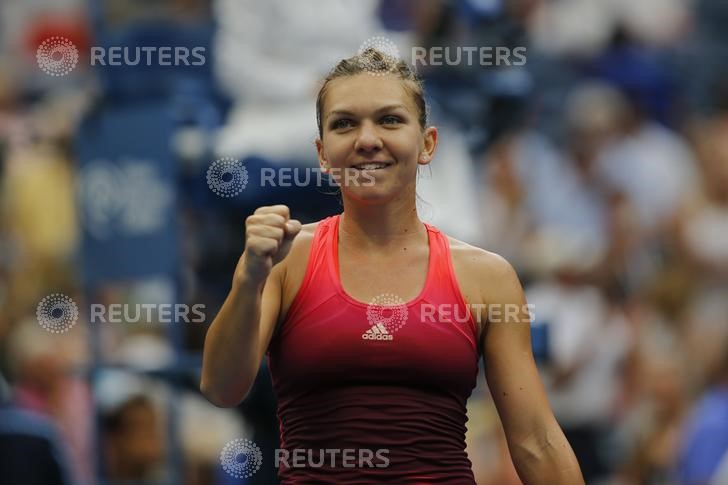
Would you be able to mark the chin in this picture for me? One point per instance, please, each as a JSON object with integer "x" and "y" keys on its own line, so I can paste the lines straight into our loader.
{"x": 370, "y": 195}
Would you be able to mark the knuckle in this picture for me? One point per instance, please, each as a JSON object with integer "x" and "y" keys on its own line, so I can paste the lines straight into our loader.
{"x": 276, "y": 220}
{"x": 278, "y": 233}
{"x": 282, "y": 210}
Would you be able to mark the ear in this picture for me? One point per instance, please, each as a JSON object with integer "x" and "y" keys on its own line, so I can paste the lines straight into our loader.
{"x": 323, "y": 163}
{"x": 428, "y": 147}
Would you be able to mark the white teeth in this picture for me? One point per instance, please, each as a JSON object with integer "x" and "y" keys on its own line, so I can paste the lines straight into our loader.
{"x": 370, "y": 166}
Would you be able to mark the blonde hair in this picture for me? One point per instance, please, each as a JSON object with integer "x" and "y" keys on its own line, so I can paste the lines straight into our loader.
{"x": 375, "y": 62}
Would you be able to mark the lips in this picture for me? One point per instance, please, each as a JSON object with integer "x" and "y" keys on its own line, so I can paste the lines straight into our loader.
{"x": 371, "y": 165}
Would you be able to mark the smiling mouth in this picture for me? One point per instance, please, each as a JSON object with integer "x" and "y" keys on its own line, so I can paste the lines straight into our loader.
{"x": 371, "y": 166}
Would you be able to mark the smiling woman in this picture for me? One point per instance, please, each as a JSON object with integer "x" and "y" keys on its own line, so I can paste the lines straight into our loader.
{"x": 343, "y": 308}
{"x": 367, "y": 100}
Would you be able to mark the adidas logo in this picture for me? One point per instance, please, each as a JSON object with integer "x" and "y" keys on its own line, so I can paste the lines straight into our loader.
{"x": 377, "y": 332}
{"x": 386, "y": 314}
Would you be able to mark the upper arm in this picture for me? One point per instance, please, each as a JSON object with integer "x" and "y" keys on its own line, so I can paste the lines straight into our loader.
{"x": 510, "y": 369}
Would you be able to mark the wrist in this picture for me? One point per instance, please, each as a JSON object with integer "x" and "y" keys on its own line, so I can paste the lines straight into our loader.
{"x": 248, "y": 282}
{"x": 250, "y": 274}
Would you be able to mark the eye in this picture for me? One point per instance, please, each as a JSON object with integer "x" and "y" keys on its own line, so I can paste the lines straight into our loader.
{"x": 341, "y": 124}
{"x": 391, "y": 120}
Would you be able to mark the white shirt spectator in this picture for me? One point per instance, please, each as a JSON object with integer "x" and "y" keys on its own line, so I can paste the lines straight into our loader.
{"x": 270, "y": 57}
{"x": 583, "y": 333}
{"x": 654, "y": 168}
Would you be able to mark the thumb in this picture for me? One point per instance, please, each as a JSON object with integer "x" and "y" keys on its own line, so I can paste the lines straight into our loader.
{"x": 293, "y": 227}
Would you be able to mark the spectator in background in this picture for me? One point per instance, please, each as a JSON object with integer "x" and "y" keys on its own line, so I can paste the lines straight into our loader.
{"x": 652, "y": 166}
{"x": 582, "y": 28}
{"x": 702, "y": 239}
{"x": 655, "y": 383}
{"x": 39, "y": 368}
{"x": 133, "y": 441}
{"x": 704, "y": 222}
{"x": 205, "y": 430}
{"x": 134, "y": 415}
{"x": 131, "y": 427}
{"x": 448, "y": 186}
{"x": 538, "y": 197}
{"x": 269, "y": 58}
{"x": 705, "y": 438}
{"x": 31, "y": 449}
{"x": 37, "y": 200}
{"x": 582, "y": 342}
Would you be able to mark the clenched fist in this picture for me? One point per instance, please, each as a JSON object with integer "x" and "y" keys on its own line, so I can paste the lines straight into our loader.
{"x": 269, "y": 233}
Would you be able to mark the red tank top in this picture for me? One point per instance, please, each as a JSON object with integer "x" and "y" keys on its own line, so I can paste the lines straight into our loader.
{"x": 389, "y": 382}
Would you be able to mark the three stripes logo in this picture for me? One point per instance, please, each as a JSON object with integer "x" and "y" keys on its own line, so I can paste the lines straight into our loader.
{"x": 386, "y": 313}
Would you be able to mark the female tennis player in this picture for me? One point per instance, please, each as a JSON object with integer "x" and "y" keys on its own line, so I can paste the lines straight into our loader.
{"x": 360, "y": 314}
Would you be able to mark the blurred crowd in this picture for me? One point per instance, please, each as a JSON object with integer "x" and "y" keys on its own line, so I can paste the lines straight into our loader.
{"x": 599, "y": 169}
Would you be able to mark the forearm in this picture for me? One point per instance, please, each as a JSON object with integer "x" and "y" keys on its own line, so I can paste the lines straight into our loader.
{"x": 546, "y": 458}
{"x": 231, "y": 355}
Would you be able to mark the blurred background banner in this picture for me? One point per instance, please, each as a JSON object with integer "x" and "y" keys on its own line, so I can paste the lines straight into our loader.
{"x": 126, "y": 190}
{"x": 584, "y": 140}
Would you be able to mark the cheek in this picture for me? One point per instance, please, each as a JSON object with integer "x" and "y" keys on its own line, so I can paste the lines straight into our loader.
{"x": 405, "y": 146}
{"x": 337, "y": 150}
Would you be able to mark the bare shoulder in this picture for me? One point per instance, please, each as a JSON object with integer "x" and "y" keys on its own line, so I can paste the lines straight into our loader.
{"x": 307, "y": 231}
{"x": 485, "y": 278}
{"x": 477, "y": 264}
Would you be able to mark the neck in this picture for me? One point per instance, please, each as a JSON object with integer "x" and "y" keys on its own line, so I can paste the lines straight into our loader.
{"x": 382, "y": 227}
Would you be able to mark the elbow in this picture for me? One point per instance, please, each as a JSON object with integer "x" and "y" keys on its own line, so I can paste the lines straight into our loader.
{"x": 546, "y": 454}
{"x": 219, "y": 397}
{"x": 529, "y": 452}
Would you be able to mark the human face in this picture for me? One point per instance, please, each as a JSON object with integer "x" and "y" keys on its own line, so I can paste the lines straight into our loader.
{"x": 373, "y": 119}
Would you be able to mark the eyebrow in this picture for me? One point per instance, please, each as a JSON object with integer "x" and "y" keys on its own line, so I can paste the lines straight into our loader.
{"x": 390, "y": 107}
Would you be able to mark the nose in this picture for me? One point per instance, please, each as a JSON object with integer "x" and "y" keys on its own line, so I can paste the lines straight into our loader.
{"x": 368, "y": 139}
